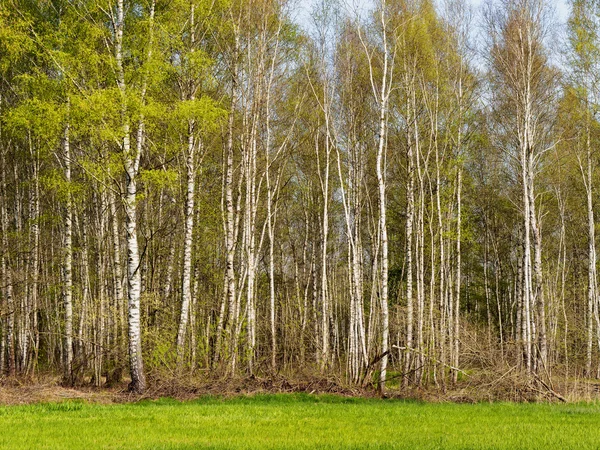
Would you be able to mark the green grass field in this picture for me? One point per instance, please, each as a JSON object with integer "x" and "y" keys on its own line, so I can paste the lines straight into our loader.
{"x": 299, "y": 421}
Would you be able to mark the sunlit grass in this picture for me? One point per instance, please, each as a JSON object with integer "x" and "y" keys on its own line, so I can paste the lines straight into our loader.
{"x": 299, "y": 421}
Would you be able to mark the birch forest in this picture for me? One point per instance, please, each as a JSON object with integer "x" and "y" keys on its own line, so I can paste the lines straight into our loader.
{"x": 398, "y": 194}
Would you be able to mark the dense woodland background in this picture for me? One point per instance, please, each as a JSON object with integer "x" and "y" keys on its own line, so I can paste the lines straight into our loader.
{"x": 195, "y": 188}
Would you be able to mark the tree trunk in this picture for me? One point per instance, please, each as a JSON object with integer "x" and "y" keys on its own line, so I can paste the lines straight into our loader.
{"x": 381, "y": 183}
{"x": 6, "y": 273}
{"x": 68, "y": 267}
{"x": 592, "y": 279}
{"x": 187, "y": 246}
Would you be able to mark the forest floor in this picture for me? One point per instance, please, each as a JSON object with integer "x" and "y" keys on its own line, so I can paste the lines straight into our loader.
{"x": 508, "y": 385}
{"x": 48, "y": 389}
{"x": 299, "y": 421}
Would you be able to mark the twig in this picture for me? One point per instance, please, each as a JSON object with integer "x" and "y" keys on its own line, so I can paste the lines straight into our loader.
{"x": 432, "y": 359}
{"x": 496, "y": 381}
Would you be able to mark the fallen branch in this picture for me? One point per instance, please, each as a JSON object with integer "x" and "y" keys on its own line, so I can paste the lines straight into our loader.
{"x": 549, "y": 390}
{"x": 369, "y": 369}
{"x": 496, "y": 381}
{"x": 435, "y": 361}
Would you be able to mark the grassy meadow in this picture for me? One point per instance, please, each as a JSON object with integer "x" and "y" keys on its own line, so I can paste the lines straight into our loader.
{"x": 299, "y": 421}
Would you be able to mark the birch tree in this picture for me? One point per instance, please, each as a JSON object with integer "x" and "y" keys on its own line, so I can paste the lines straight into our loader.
{"x": 584, "y": 56}
{"x": 524, "y": 83}
{"x": 131, "y": 155}
{"x": 381, "y": 84}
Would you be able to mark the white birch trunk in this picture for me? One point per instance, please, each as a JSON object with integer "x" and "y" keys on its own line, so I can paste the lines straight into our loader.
{"x": 68, "y": 266}
{"x": 6, "y": 272}
{"x": 381, "y": 183}
{"x": 186, "y": 285}
{"x": 592, "y": 279}
{"x": 187, "y": 246}
{"x": 131, "y": 157}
